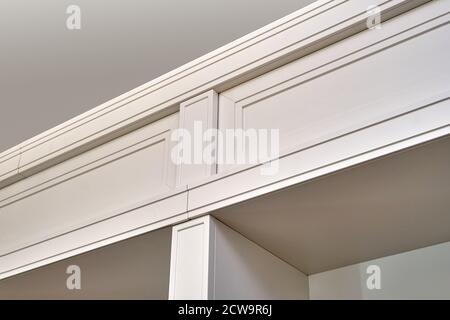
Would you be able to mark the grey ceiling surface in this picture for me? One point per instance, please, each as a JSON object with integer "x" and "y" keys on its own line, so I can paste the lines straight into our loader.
{"x": 49, "y": 74}
{"x": 391, "y": 205}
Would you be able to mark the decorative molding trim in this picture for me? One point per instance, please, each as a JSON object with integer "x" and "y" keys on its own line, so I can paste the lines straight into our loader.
{"x": 429, "y": 120}
{"x": 134, "y": 142}
{"x": 17, "y": 195}
{"x": 9, "y": 168}
{"x": 233, "y": 102}
{"x": 206, "y": 113}
{"x": 306, "y": 30}
{"x": 199, "y": 248}
{"x": 155, "y": 213}
{"x": 137, "y": 141}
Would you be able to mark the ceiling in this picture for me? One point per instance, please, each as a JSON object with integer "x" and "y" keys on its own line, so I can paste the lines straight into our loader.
{"x": 136, "y": 268}
{"x": 394, "y": 204}
{"x": 50, "y": 74}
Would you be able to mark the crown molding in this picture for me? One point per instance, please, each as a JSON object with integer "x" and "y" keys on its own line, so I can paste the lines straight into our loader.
{"x": 309, "y": 29}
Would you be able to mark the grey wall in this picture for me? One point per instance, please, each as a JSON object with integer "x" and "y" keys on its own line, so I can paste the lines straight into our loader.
{"x": 244, "y": 270}
{"x": 136, "y": 268}
{"x": 417, "y": 274}
{"x": 50, "y": 74}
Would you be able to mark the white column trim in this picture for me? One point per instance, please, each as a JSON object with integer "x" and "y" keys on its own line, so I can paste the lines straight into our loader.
{"x": 206, "y": 246}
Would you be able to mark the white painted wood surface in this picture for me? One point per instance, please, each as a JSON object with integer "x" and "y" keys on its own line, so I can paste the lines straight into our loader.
{"x": 90, "y": 188}
{"x": 191, "y": 260}
{"x": 375, "y": 102}
{"x": 211, "y": 261}
{"x": 371, "y": 77}
{"x": 107, "y": 175}
{"x": 197, "y": 116}
{"x": 120, "y": 189}
{"x": 296, "y": 35}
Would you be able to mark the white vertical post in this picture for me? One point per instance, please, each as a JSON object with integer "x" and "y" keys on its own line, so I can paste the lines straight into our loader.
{"x": 197, "y": 115}
{"x": 209, "y": 260}
{"x": 191, "y": 265}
